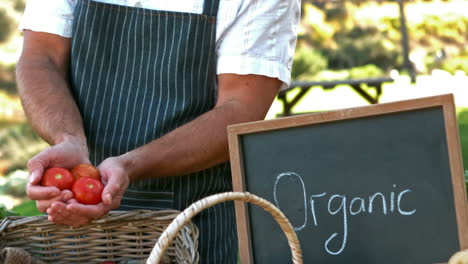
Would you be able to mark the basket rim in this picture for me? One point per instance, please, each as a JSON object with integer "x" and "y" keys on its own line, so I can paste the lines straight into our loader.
{"x": 34, "y": 233}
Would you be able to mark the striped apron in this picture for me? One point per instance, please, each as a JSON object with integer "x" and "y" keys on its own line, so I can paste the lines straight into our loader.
{"x": 137, "y": 74}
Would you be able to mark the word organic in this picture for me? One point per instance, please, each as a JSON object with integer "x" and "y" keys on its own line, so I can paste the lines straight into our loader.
{"x": 340, "y": 204}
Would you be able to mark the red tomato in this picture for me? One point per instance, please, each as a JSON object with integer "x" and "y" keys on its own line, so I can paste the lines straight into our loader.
{"x": 58, "y": 177}
{"x": 87, "y": 190}
{"x": 86, "y": 170}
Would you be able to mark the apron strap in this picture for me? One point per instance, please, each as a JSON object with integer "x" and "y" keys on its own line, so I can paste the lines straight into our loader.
{"x": 210, "y": 7}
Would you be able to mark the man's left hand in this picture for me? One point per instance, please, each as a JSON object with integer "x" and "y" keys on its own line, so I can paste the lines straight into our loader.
{"x": 115, "y": 180}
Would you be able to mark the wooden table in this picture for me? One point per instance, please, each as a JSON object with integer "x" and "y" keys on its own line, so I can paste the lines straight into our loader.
{"x": 361, "y": 86}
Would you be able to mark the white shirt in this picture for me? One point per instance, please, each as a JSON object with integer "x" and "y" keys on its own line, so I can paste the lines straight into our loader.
{"x": 252, "y": 36}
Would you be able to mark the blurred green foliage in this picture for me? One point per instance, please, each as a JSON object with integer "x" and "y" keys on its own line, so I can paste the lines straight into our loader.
{"x": 363, "y": 45}
{"x": 362, "y": 72}
{"x": 6, "y": 25}
{"x": 27, "y": 208}
{"x": 344, "y": 35}
{"x": 466, "y": 180}
{"x": 463, "y": 131}
{"x": 15, "y": 184}
{"x": 18, "y": 143}
{"x": 437, "y": 31}
{"x": 455, "y": 64}
{"x": 19, "y": 5}
{"x": 7, "y": 78}
{"x": 5, "y": 212}
{"x": 307, "y": 63}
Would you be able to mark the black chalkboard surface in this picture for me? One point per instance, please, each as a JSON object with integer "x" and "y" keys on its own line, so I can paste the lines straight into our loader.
{"x": 376, "y": 184}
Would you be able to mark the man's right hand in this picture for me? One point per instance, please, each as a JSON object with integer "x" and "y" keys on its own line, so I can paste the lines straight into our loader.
{"x": 66, "y": 154}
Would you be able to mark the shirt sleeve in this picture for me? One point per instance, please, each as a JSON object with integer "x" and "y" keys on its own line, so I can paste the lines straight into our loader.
{"x": 257, "y": 37}
{"x": 51, "y": 16}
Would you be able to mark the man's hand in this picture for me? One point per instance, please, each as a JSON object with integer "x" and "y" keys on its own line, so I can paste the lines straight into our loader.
{"x": 66, "y": 154}
{"x": 115, "y": 179}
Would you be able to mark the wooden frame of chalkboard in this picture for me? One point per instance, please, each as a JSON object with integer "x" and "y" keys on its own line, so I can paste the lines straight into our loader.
{"x": 443, "y": 102}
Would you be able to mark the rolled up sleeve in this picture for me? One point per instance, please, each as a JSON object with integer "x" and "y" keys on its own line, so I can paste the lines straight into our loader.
{"x": 259, "y": 37}
{"x": 51, "y": 16}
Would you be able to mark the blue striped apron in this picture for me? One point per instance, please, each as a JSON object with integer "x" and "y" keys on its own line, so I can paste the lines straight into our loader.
{"x": 137, "y": 74}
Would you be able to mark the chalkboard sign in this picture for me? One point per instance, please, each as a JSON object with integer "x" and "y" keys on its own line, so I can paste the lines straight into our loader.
{"x": 375, "y": 184}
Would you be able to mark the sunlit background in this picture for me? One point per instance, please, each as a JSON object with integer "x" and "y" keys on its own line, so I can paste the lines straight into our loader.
{"x": 340, "y": 40}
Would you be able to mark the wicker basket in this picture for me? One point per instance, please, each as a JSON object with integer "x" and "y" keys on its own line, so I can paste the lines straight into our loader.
{"x": 129, "y": 235}
{"x": 119, "y": 237}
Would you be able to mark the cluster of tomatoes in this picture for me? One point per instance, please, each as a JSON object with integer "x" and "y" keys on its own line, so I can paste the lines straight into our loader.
{"x": 83, "y": 180}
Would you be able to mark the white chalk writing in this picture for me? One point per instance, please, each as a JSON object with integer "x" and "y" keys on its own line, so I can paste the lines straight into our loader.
{"x": 337, "y": 205}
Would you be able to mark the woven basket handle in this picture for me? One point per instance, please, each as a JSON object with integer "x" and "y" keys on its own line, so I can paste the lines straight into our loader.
{"x": 195, "y": 208}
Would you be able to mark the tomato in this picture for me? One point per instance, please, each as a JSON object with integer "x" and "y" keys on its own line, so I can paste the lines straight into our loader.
{"x": 58, "y": 177}
{"x": 86, "y": 170}
{"x": 87, "y": 190}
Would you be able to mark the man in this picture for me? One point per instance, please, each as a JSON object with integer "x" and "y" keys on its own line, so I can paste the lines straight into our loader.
{"x": 146, "y": 89}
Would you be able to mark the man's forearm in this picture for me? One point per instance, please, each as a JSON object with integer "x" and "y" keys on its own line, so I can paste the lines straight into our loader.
{"x": 47, "y": 101}
{"x": 195, "y": 146}
{"x": 43, "y": 87}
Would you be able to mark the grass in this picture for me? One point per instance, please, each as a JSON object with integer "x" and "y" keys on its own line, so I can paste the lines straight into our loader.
{"x": 27, "y": 209}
